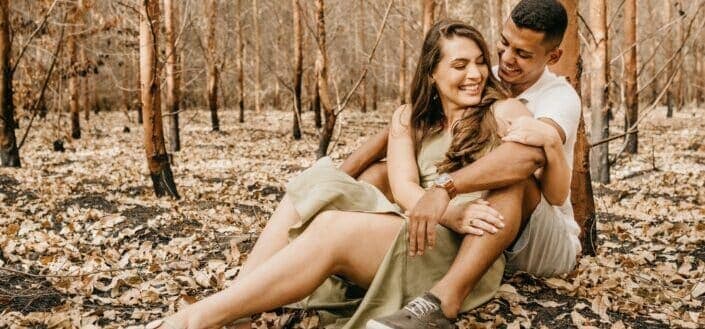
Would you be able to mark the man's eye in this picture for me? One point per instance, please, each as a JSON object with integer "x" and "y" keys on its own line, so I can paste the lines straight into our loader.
{"x": 525, "y": 56}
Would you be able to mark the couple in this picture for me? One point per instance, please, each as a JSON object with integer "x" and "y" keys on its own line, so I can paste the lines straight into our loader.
{"x": 479, "y": 181}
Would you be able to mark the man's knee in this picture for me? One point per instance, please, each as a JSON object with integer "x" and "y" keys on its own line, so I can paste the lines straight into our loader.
{"x": 376, "y": 174}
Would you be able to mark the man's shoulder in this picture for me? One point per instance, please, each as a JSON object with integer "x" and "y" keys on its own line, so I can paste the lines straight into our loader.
{"x": 558, "y": 86}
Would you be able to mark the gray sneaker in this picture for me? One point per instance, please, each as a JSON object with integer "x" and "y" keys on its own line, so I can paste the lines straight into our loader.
{"x": 421, "y": 313}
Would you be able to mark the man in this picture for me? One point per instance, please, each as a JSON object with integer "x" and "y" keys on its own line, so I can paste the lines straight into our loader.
{"x": 548, "y": 242}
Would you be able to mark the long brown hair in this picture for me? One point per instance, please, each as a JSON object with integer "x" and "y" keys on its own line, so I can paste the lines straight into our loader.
{"x": 477, "y": 129}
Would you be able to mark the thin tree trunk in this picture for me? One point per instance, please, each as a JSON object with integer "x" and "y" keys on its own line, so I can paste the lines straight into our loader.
{"x": 9, "y": 154}
{"x": 326, "y": 105}
{"x": 172, "y": 76}
{"x": 402, "y": 62}
{"x": 429, "y": 8}
{"x": 316, "y": 101}
{"x": 700, "y": 81}
{"x": 581, "y": 194}
{"x": 667, "y": 52}
{"x": 361, "y": 57}
{"x": 138, "y": 104}
{"x": 599, "y": 163}
{"x": 83, "y": 84}
{"x": 631, "y": 97}
{"x": 74, "y": 101}
{"x": 374, "y": 94}
{"x": 496, "y": 22}
{"x": 157, "y": 158}
{"x": 256, "y": 56}
{"x": 212, "y": 74}
{"x": 298, "y": 67}
{"x": 240, "y": 53}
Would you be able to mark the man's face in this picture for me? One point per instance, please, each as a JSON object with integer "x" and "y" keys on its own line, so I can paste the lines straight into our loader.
{"x": 522, "y": 56}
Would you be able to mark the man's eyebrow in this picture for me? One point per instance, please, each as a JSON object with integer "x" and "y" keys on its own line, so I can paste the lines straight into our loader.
{"x": 518, "y": 49}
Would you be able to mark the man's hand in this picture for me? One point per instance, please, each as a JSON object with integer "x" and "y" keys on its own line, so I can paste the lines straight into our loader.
{"x": 423, "y": 219}
{"x": 529, "y": 131}
{"x": 473, "y": 218}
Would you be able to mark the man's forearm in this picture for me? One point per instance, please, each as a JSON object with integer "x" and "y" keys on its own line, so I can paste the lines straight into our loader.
{"x": 371, "y": 151}
{"x": 508, "y": 164}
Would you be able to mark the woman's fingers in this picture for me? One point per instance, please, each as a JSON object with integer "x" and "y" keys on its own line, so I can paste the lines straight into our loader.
{"x": 431, "y": 235}
{"x": 421, "y": 238}
{"x": 485, "y": 226}
{"x": 472, "y": 230}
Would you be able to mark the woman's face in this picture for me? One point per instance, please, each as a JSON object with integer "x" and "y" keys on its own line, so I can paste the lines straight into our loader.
{"x": 461, "y": 74}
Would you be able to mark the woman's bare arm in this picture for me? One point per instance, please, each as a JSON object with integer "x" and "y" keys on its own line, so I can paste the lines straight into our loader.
{"x": 404, "y": 178}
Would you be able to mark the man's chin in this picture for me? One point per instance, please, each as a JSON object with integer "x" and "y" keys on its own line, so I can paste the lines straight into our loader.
{"x": 508, "y": 77}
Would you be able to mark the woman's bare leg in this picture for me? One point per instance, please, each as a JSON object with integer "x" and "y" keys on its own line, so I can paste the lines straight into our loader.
{"x": 330, "y": 245}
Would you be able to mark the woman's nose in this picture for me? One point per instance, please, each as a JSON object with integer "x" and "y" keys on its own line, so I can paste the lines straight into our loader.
{"x": 473, "y": 72}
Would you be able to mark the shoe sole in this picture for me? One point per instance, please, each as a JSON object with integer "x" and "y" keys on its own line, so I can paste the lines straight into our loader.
{"x": 372, "y": 324}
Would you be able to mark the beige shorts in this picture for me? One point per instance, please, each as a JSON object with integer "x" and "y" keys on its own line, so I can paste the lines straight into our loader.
{"x": 549, "y": 244}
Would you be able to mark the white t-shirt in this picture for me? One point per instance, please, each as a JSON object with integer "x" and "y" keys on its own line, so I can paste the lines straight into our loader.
{"x": 554, "y": 98}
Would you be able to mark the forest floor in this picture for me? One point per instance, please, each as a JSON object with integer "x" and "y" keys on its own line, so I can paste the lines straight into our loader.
{"x": 86, "y": 244}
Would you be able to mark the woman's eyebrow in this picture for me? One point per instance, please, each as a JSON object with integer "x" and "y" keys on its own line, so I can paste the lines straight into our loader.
{"x": 459, "y": 59}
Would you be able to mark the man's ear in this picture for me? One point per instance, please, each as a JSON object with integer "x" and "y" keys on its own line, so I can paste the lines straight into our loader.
{"x": 554, "y": 56}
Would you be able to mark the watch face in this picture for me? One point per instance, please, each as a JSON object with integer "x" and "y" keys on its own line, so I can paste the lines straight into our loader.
{"x": 443, "y": 179}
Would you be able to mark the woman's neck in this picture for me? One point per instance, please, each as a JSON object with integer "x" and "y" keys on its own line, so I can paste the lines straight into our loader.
{"x": 452, "y": 113}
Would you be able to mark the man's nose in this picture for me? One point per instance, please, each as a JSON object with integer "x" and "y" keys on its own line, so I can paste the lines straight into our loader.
{"x": 508, "y": 56}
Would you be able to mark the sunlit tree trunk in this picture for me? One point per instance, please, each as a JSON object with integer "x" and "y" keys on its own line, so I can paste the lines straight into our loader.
{"x": 240, "y": 53}
{"x": 157, "y": 158}
{"x": 83, "y": 83}
{"x": 256, "y": 57}
{"x": 429, "y": 8}
{"x": 599, "y": 162}
{"x": 700, "y": 71}
{"x": 172, "y": 76}
{"x": 496, "y": 23}
{"x": 630, "y": 95}
{"x": 581, "y": 194}
{"x": 322, "y": 59}
{"x": 138, "y": 103}
{"x": 298, "y": 67}
{"x": 9, "y": 154}
{"x": 402, "y": 61}
{"x": 212, "y": 72}
{"x": 361, "y": 57}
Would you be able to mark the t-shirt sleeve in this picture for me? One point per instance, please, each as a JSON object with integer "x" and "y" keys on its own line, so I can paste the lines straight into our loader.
{"x": 561, "y": 104}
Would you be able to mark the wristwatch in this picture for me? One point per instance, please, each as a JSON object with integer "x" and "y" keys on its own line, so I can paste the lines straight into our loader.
{"x": 445, "y": 182}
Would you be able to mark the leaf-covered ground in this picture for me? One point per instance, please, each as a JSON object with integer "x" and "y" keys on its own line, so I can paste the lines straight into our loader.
{"x": 84, "y": 243}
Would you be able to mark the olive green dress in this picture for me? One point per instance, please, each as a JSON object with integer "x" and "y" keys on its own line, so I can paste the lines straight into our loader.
{"x": 400, "y": 278}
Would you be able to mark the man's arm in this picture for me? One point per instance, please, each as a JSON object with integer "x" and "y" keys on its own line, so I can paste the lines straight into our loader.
{"x": 371, "y": 151}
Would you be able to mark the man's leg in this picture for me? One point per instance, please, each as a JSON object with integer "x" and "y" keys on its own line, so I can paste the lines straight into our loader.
{"x": 330, "y": 245}
{"x": 478, "y": 253}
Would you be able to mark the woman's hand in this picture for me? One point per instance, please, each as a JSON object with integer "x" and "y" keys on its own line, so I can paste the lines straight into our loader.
{"x": 474, "y": 218}
{"x": 423, "y": 219}
{"x": 529, "y": 131}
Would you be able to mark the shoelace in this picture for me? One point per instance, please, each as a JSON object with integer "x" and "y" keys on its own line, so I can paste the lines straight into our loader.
{"x": 420, "y": 307}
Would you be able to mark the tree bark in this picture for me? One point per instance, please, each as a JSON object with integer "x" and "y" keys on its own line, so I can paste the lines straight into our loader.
{"x": 256, "y": 56}
{"x": 496, "y": 24}
{"x": 155, "y": 149}
{"x": 74, "y": 102}
{"x": 212, "y": 74}
{"x": 298, "y": 67}
{"x": 240, "y": 53}
{"x": 429, "y": 8}
{"x": 172, "y": 76}
{"x": 361, "y": 58}
{"x": 9, "y": 154}
{"x": 599, "y": 162}
{"x": 322, "y": 59}
{"x": 83, "y": 83}
{"x": 402, "y": 61}
{"x": 630, "y": 95}
{"x": 667, "y": 52}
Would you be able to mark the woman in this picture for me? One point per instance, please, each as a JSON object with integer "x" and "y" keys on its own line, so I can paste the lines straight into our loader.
{"x": 345, "y": 234}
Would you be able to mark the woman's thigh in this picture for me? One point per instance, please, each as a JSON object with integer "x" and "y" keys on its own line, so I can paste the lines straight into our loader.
{"x": 361, "y": 239}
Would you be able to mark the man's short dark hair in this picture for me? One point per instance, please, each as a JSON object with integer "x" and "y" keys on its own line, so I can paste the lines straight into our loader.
{"x": 547, "y": 16}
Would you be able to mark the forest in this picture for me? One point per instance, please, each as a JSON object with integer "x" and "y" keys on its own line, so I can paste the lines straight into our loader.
{"x": 144, "y": 145}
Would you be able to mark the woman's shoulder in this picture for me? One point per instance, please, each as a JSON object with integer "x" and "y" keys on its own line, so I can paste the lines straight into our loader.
{"x": 401, "y": 117}
{"x": 510, "y": 108}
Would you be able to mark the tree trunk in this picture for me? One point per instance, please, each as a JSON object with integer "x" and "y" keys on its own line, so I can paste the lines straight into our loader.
{"x": 700, "y": 81}
{"x": 496, "y": 24}
{"x": 630, "y": 95}
{"x": 298, "y": 67}
{"x": 581, "y": 194}
{"x": 138, "y": 103}
{"x": 74, "y": 102}
{"x": 402, "y": 62}
{"x": 83, "y": 84}
{"x": 361, "y": 58}
{"x": 172, "y": 76}
{"x": 256, "y": 56}
{"x": 429, "y": 8}
{"x": 316, "y": 101}
{"x": 322, "y": 59}
{"x": 599, "y": 162}
{"x": 374, "y": 94}
{"x": 667, "y": 52}
{"x": 157, "y": 158}
{"x": 212, "y": 71}
{"x": 9, "y": 154}
{"x": 240, "y": 53}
